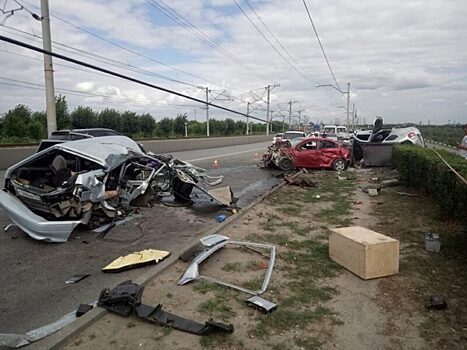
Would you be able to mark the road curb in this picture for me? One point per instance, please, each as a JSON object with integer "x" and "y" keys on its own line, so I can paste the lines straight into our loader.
{"x": 58, "y": 339}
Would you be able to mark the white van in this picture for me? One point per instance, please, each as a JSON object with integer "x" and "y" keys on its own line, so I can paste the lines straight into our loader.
{"x": 336, "y": 132}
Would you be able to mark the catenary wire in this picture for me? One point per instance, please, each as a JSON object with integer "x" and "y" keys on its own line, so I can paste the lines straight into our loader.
{"x": 269, "y": 42}
{"x": 272, "y": 34}
{"x": 103, "y": 59}
{"x": 191, "y": 28}
{"x": 320, "y": 45}
{"x": 126, "y": 48}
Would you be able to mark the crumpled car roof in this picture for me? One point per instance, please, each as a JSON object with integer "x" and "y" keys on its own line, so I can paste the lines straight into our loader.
{"x": 108, "y": 151}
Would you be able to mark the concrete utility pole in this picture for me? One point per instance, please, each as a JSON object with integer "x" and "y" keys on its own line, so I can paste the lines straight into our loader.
{"x": 48, "y": 69}
{"x": 342, "y": 92}
{"x": 206, "y": 89}
{"x": 290, "y": 112}
{"x": 268, "y": 117}
{"x": 353, "y": 117}
{"x": 267, "y": 111}
{"x": 207, "y": 111}
{"x": 348, "y": 102}
{"x": 300, "y": 117}
{"x": 247, "y": 117}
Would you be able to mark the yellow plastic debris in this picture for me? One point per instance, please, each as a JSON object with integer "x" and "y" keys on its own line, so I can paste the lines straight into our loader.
{"x": 136, "y": 259}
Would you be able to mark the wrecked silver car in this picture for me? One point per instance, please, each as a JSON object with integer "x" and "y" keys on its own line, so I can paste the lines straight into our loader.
{"x": 90, "y": 182}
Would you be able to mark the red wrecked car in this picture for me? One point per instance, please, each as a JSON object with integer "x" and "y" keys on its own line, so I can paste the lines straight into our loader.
{"x": 313, "y": 153}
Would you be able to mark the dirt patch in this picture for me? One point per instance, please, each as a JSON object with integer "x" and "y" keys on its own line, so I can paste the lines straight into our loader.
{"x": 320, "y": 305}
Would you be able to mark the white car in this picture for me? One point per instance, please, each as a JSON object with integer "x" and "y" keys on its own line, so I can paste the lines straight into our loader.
{"x": 277, "y": 137}
{"x": 290, "y": 135}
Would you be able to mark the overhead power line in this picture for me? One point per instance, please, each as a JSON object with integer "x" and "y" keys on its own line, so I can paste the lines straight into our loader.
{"x": 122, "y": 76}
{"x": 41, "y": 87}
{"x": 269, "y": 42}
{"x": 169, "y": 12}
{"x": 320, "y": 45}
{"x": 103, "y": 59}
{"x": 126, "y": 48}
{"x": 271, "y": 33}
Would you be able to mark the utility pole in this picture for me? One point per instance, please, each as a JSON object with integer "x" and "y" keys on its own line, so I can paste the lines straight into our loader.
{"x": 48, "y": 69}
{"x": 353, "y": 117}
{"x": 206, "y": 89}
{"x": 283, "y": 122}
{"x": 267, "y": 111}
{"x": 247, "y": 117}
{"x": 290, "y": 112}
{"x": 268, "y": 117}
{"x": 348, "y": 104}
{"x": 207, "y": 111}
{"x": 299, "y": 117}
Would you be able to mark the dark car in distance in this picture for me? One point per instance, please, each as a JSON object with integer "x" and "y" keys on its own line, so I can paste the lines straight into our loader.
{"x": 75, "y": 134}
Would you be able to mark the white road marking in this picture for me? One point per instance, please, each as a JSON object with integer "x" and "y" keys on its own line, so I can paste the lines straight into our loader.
{"x": 224, "y": 155}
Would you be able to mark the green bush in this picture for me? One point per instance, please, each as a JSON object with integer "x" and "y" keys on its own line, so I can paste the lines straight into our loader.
{"x": 422, "y": 168}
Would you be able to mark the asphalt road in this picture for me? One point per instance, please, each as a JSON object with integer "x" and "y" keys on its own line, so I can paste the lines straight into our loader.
{"x": 33, "y": 274}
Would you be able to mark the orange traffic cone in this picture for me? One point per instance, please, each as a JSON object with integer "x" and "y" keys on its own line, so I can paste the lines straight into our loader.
{"x": 216, "y": 164}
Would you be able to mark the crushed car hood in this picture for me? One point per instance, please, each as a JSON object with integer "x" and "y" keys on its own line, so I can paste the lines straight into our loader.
{"x": 108, "y": 151}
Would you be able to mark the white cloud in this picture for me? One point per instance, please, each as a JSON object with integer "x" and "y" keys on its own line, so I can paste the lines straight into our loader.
{"x": 400, "y": 53}
{"x": 85, "y": 86}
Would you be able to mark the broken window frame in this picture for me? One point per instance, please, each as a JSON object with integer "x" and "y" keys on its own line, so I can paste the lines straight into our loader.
{"x": 217, "y": 242}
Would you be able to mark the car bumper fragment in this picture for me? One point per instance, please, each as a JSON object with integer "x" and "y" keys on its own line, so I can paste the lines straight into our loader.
{"x": 34, "y": 225}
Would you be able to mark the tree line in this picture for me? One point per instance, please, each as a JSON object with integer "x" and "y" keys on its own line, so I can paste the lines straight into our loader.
{"x": 22, "y": 125}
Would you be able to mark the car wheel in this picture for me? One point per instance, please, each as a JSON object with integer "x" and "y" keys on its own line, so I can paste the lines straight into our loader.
{"x": 339, "y": 165}
{"x": 181, "y": 190}
{"x": 286, "y": 164}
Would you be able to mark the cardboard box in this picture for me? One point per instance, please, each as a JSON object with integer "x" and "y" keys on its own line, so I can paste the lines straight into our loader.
{"x": 366, "y": 253}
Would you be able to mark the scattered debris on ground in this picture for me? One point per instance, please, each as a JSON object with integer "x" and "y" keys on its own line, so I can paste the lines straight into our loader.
{"x": 125, "y": 299}
{"x": 320, "y": 305}
{"x": 136, "y": 259}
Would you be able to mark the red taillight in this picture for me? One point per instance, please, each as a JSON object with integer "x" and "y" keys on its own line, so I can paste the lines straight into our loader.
{"x": 411, "y": 135}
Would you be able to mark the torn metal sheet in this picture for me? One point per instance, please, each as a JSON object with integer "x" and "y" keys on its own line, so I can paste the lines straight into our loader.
{"x": 192, "y": 272}
{"x": 223, "y": 195}
{"x": 125, "y": 299}
{"x": 12, "y": 340}
{"x": 144, "y": 257}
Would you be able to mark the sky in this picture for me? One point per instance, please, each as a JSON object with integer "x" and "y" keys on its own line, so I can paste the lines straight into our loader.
{"x": 405, "y": 60}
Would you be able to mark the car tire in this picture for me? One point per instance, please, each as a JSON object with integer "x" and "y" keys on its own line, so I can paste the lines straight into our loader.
{"x": 181, "y": 190}
{"x": 339, "y": 165}
{"x": 286, "y": 164}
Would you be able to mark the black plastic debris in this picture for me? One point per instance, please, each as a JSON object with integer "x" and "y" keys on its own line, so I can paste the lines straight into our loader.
{"x": 125, "y": 299}
{"x": 436, "y": 302}
{"x": 82, "y": 309}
